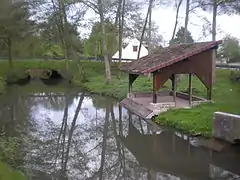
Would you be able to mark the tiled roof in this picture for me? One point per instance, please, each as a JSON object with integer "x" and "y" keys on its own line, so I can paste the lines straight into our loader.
{"x": 167, "y": 56}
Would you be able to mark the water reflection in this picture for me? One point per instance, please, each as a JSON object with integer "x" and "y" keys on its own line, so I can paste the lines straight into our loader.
{"x": 80, "y": 136}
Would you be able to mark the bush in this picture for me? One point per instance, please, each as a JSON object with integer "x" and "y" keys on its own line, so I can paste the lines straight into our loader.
{"x": 17, "y": 76}
{"x": 9, "y": 150}
{"x": 235, "y": 76}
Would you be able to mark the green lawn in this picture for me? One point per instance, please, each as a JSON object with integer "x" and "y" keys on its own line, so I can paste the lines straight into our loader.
{"x": 6, "y": 173}
{"x": 198, "y": 120}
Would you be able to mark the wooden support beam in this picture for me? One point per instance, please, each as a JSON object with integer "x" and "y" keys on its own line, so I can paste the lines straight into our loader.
{"x": 131, "y": 79}
{"x": 154, "y": 89}
{"x": 190, "y": 88}
{"x": 209, "y": 93}
{"x": 174, "y": 88}
{"x": 129, "y": 84}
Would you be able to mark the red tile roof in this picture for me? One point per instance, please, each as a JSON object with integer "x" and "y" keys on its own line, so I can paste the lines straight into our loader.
{"x": 167, "y": 56}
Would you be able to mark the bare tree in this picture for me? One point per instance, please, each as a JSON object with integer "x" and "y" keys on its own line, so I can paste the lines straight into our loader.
{"x": 178, "y": 5}
{"x": 104, "y": 42}
{"x": 216, "y": 7}
{"x": 186, "y": 20}
{"x": 144, "y": 27}
{"x": 150, "y": 28}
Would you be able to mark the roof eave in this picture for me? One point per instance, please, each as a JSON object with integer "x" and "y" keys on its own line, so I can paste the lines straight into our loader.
{"x": 215, "y": 44}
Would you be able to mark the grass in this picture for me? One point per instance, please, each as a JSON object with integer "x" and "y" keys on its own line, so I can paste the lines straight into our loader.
{"x": 6, "y": 173}
{"x": 198, "y": 120}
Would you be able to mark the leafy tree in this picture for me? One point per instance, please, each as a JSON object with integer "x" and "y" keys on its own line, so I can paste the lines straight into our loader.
{"x": 230, "y": 49}
{"x": 180, "y": 37}
{"x": 14, "y": 23}
{"x": 93, "y": 45}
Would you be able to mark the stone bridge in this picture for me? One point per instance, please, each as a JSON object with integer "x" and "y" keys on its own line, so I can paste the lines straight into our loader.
{"x": 55, "y": 73}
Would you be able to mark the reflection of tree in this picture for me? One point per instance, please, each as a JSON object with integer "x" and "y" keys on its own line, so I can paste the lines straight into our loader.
{"x": 53, "y": 101}
{"x": 63, "y": 131}
{"x": 72, "y": 129}
{"x": 101, "y": 102}
{"x": 104, "y": 142}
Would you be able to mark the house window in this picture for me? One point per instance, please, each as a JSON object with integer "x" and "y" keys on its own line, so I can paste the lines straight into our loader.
{"x": 135, "y": 48}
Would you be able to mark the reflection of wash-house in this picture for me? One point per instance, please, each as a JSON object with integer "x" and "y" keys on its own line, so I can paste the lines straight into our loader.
{"x": 130, "y": 52}
{"x": 168, "y": 153}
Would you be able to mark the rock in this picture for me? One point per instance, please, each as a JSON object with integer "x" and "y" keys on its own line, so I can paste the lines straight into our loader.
{"x": 226, "y": 127}
{"x": 211, "y": 144}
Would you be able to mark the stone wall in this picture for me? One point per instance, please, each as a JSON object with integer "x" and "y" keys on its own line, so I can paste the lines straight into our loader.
{"x": 226, "y": 126}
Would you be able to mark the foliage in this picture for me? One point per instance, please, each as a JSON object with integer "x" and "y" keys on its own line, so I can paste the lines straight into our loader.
{"x": 230, "y": 49}
{"x": 16, "y": 75}
{"x": 14, "y": 19}
{"x": 9, "y": 148}
{"x": 52, "y": 51}
{"x": 6, "y": 173}
{"x": 180, "y": 37}
{"x": 93, "y": 45}
{"x": 224, "y": 6}
{"x": 14, "y": 22}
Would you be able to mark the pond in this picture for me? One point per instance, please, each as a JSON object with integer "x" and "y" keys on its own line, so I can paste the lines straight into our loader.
{"x": 69, "y": 134}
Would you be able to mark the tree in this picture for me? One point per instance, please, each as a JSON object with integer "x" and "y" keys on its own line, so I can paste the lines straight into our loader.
{"x": 14, "y": 23}
{"x": 144, "y": 26}
{"x": 216, "y": 7}
{"x": 93, "y": 45}
{"x": 186, "y": 21}
{"x": 180, "y": 37}
{"x": 178, "y": 4}
{"x": 230, "y": 49}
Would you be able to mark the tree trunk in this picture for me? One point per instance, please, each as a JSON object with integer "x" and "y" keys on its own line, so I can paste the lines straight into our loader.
{"x": 150, "y": 30}
{"x": 186, "y": 21}
{"x": 214, "y": 20}
{"x": 10, "y": 52}
{"x": 104, "y": 43}
{"x": 72, "y": 129}
{"x": 104, "y": 142}
{"x": 176, "y": 19}
{"x": 117, "y": 26}
{"x": 121, "y": 24}
{"x": 144, "y": 28}
{"x": 120, "y": 40}
{"x": 64, "y": 24}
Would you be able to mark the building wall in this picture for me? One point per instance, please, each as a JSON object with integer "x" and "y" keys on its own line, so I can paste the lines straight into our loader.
{"x": 127, "y": 53}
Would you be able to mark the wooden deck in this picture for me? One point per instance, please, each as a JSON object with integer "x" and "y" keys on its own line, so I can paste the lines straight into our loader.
{"x": 141, "y": 103}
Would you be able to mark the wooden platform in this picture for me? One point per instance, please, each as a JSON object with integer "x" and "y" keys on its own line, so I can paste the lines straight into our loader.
{"x": 141, "y": 103}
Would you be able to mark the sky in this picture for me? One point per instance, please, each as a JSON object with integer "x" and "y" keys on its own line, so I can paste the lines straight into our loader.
{"x": 165, "y": 19}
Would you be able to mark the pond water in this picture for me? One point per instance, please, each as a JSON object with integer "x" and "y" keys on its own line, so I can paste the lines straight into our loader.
{"x": 69, "y": 134}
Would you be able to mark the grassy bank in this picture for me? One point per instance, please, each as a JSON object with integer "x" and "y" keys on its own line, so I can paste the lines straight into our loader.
{"x": 198, "y": 120}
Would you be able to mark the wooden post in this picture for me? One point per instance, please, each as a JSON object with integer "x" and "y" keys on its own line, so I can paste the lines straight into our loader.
{"x": 129, "y": 83}
{"x": 209, "y": 93}
{"x": 190, "y": 88}
{"x": 174, "y": 88}
{"x": 131, "y": 79}
{"x": 154, "y": 89}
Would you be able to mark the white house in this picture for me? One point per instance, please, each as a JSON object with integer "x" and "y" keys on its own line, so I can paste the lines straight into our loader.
{"x": 130, "y": 52}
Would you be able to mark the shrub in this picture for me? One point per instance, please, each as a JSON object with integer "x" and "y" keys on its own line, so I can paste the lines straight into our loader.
{"x": 17, "y": 76}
